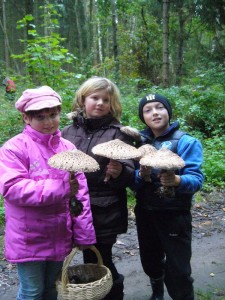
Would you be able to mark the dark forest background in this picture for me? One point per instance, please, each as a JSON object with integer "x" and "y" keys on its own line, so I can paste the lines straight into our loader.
{"x": 176, "y": 48}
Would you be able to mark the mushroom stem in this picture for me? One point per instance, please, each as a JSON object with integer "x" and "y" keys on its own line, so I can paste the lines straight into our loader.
{"x": 74, "y": 185}
{"x": 166, "y": 190}
{"x": 76, "y": 207}
{"x": 107, "y": 176}
{"x": 145, "y": 173}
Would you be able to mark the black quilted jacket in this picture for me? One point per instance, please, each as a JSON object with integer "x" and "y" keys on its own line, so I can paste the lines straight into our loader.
{"x": 108, "y": 200}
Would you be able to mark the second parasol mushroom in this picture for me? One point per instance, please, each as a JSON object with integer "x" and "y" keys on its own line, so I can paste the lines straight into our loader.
{"x": 165, "y": 160}
{"x": 131, "y": 131}
{"x": 116, "y": 150}
{"x": 74, "y": 161}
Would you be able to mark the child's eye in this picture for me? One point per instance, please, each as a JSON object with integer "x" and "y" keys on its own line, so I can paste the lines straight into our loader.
{"x": 53, "y": 115}
{"x": 40, "y": 118}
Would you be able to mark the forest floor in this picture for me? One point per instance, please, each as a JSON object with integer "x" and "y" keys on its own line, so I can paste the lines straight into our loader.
{"x": 208, "y": 258}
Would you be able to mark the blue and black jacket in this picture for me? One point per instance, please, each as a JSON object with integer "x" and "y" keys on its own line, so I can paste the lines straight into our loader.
{"x": 148, "y": 194}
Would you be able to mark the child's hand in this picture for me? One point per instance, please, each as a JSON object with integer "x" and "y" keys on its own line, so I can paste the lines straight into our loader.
{"x": 169, "y": 178}
{"x": 114, "y": 169}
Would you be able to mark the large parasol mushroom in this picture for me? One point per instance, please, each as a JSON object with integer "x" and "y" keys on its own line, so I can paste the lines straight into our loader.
{"x": 131, "y": 131}
{"x": 74, "y": 161}
{"x": 147, "y": 150}
{"x": 162, "y": 159}
{"x": 165, "y": 160}
{"x": 116, "y": 149}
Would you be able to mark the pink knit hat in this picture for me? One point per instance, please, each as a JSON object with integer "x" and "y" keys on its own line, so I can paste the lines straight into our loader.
{"x": 37, "y": 99}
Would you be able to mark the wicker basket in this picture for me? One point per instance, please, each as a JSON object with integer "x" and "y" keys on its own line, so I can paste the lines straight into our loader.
{"x": 99, "y": 279}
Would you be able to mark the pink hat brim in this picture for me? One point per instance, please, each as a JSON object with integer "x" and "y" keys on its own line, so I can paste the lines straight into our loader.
{"x": 47, "y": 103}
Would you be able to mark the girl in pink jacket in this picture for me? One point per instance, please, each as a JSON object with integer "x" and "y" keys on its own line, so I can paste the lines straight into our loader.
{"x": 40, "y": 231}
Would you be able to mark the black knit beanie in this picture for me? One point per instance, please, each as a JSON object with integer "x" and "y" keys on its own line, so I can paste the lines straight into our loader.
{"x": 154, "y": 98}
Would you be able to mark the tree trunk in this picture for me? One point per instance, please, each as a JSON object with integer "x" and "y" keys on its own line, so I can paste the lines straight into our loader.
{"x": 29, "y": 11}
{"x": 93, "y": 31}
{"x": 114, "y": 33}
{"x": 99, "y": 43}
{"x": 7, "y": 48}
{"x": 6, "y": 41}
{"x": 79, "y": 30}
{"x": 165, "y": 72}
{"x": 180, "y": 50}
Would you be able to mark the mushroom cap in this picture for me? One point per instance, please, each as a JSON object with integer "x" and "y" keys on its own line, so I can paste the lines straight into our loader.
{"x": 116, "y": 149}
{"x": 163, "y": 159}
{"x": 131, "y": 131}
{"x": 73, "y": 161}
{"x": 147, "y": 149}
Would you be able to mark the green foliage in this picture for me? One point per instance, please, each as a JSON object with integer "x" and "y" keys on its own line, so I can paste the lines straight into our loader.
{"x": 213, "y": 294}
{"x": 187, "y": 100}
{"x": 131, "y": 198}
{"x": 2, "y": 211}
{"x": 210, "y": 76}
{"x": 214, "y": 163}
{"x": 11, "y": 122}
{"x": 44, "y": 56}
{"x": 206, "y": 94}
{"x": 200, "y": 111}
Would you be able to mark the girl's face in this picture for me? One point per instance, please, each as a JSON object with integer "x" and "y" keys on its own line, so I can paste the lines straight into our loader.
{"x": 97, "y": 104}
{"x": 46, "y": 122}
{"x": 156, "y": 117}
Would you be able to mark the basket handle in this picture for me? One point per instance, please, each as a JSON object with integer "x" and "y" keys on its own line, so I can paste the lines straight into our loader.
{"x": 68, "y": 259}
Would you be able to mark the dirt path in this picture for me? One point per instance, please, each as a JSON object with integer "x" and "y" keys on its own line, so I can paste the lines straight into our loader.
{"x": 208, "y": 266}
{"x": 208, "y": 259}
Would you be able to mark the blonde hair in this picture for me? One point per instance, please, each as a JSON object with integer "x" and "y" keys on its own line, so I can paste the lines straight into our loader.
{"x": 93, "y": 85}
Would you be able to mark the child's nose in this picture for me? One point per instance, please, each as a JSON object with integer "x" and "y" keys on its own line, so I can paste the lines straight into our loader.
{"x": 48, "y": 119}
{"x": 100, "y": 101}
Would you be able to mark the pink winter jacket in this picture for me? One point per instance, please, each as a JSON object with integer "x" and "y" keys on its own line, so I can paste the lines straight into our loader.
{"x": 38, "y": 222}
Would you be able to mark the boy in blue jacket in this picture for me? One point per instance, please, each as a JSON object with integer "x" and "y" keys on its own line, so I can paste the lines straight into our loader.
{"x": 164, "y": 220}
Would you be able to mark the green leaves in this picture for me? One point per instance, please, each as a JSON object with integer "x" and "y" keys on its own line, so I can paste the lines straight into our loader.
{"x": 44, "y": 56}
{"x": 214, "y": 163}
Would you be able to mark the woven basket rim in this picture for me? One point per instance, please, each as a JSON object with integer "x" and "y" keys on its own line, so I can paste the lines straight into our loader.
{"x": 99, "y": 287}
{"x": 108, "y": 273}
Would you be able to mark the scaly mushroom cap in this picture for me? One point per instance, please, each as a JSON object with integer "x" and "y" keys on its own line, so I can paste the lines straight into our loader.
{"x": 147, "y": 149}
{"x": 131, "y": 131}
{"x": 73, "y": 161}
{"x": 116, "y": 149}
{"x": 163, "y": 159}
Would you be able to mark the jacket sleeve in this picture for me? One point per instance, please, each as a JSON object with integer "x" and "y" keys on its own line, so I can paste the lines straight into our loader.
{"x": 83, "y": 229}
{"x": 192, "y": 178}
{"x": 18, "y": 188}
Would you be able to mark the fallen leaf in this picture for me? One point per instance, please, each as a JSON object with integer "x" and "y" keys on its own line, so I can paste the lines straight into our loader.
{"x": 198, "y": 206}
{"x": 207, "y": 223}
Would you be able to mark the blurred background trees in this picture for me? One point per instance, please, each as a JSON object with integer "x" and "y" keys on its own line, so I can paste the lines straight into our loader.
{"x": 176, "y": 48}
{"x": 121, "y": 38}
